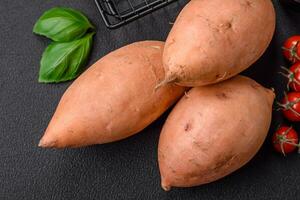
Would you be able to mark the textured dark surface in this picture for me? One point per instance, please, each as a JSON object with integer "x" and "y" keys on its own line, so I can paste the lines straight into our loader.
{"x": 126, "y": 169}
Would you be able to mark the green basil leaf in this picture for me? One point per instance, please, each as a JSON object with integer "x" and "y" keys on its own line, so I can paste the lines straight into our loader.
{"x": 64, "y": 61}
{"x": 62, "y": 24}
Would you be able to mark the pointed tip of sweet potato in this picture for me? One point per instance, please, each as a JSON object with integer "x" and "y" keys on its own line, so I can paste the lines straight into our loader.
{"x": 47, "y": 144}
{"x": 60, "y": 134}
{"x": 165, "y": 185}
{"x": 48, "y": 141}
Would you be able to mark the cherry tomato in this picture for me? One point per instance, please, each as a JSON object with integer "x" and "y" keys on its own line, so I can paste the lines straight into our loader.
{"x": 293, "y": 75}
{"x": 285, "y": 140}
{"x": 290, "y": 106}
{"x": 291, "y": 50}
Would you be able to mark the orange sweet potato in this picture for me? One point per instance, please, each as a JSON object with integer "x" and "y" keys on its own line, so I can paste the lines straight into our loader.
{"x": 113, "y": 99}
{"x": 213, "y": 40}
{"x": 213, "y": 131}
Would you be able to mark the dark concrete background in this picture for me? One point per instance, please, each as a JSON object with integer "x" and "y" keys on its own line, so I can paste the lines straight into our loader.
{"x": 126, "y": 169}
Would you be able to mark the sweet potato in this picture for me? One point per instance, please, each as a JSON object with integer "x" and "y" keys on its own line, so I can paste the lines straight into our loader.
{"x": 213, "y": 131}
{"x": 213, "y": 40}
{"x": 113, "y": 99}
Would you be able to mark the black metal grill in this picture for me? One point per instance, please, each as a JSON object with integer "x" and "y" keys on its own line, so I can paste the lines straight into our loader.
{"x": 116, "y": 13}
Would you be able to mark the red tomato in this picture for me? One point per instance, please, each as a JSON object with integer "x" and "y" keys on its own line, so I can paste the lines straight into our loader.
{"x": 290, "y": 106}
{"x": 293, "y": 75}
{"x": 285, "y": 140}
{"x": 291, "y": 50}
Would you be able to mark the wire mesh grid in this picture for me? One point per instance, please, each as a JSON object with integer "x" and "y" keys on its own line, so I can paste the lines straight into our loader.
{"x": 116, "y": 13}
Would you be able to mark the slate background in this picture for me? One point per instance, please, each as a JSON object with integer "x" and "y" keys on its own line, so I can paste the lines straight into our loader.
{"x": 126, "y": 169}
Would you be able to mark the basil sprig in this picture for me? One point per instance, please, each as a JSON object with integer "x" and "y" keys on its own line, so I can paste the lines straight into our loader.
{"x": 63, "y": 61}
{"x": 64, "y": 58}
{"x": 62, "y": 24}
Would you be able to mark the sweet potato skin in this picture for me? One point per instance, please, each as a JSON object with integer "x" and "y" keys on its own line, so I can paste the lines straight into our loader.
{"x": 213, "y": 131}
{"x": 113, "y": 99}
{"x": 212, "y": 40}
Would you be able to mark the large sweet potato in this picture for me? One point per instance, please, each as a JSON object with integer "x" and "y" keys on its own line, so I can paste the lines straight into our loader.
{"x": 113, "y": 99}
{"x": 213, "y": 131}
{"x": 213, "y": 40}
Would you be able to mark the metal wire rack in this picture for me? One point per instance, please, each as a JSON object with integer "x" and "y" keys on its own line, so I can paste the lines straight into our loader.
{"x": 116, "y": 13}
